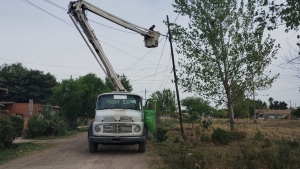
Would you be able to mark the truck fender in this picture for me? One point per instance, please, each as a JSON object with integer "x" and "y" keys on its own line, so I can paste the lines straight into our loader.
{"x": 90, "y": 131}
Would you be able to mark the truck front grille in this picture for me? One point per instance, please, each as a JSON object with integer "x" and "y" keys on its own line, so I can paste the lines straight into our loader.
{"x": 117, "y": 128}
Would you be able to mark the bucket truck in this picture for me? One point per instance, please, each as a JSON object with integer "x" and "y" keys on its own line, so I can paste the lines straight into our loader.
{"x": 120, "y": 116}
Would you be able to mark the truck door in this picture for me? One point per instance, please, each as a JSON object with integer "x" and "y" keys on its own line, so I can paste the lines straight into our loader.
{"x": 149, "y": 114}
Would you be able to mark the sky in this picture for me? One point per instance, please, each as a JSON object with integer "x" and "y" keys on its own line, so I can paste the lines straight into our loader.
{"x": 40, "y": 35}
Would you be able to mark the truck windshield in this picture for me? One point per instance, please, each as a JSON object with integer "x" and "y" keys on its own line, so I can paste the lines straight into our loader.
{"x": 115, "y": 101}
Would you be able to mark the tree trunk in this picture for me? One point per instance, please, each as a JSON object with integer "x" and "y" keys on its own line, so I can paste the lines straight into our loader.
{"x": 231, "y": 116}
{"x": 230, "y": 110}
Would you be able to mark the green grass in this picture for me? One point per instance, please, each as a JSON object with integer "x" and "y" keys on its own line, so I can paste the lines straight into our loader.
{"x": 21, "y": 149}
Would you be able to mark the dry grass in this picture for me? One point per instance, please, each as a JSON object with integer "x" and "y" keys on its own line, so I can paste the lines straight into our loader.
{"x": 198, "y": 150}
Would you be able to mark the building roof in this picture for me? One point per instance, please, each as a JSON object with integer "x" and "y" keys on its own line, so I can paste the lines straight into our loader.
{"x": 7, "y": 103}
{"x": 273, "y": 112}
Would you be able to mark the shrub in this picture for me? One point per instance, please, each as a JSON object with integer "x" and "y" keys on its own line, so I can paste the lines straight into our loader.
{"x": 238, "y": 135}
{"x": 258, "y": 135}
{"x": 220, "y": 136}
{"x": 73, "y": 125}
{"x": 206, "y": 124}
{"x": 204, "y": 138}
{"x": 18, "y": 124}
{"x": 60, "y": 128}
{"x": 267, "y": 143}
{"x": 7, "y": 133}
{"x": 160, "y": 134}
{"x": 36, "y": 126}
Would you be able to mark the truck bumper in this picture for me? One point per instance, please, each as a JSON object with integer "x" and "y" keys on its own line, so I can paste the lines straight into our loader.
{"x": 117, "y": 140}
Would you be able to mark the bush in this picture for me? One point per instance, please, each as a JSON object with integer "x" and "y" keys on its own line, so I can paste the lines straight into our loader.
{"x": 60, "y": 128}
{"x": 238, "y": 135}
{"x": 160, "y": 134}
{"x": 206, "y": 124}
{"x": 258, "y": 135}
{"x": 73, "y": 125}
{"x": 221, "y": 136}
{"x": 7, "y": 133}
{"x": 18, "y": 124}
{"x": 204, "y": 138}
{"x": 36, "y": 126}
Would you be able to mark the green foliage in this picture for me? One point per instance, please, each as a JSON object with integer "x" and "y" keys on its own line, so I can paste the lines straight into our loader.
{"x": 124, "y": 81}
{"x": 165, "y": 103}
{"x": 277, "y": 105}
{"x": 206, "y": 124}
{"x": 258, "y": 135}
{"x": 296, "y": 112}
{"x": 76, "y": 98}
{"x": 160, "y": 134}
{"x": 7, "y": 132}
{"x": 224, "y": 46}
{"x": 196, "y": 107}
{"x": 287, "y": 12}
{"x": 267, "y": 143}
{"x": 25, "y": 84}
{"x": 204, "y": 138}
{"x": 36, "y": 126}
{"x": 18, "y": 124}
{"x": 238, "y": 135}
{"x": 220, "y": 136}
{"x": 60, "y": 128}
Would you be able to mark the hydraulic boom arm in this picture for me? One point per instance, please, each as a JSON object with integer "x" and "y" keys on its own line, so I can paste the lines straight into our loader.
{"x": 77, "y": 10}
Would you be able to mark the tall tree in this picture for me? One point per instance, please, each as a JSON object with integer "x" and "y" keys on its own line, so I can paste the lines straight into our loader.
{"x": 77, "y": 98}
{"x": 285, "y": 13}
{"x": 278, "y": 105}
{"x": 165, "y": 102}
{"x": 124, "y": 81}
{"x": 270, "y": 102}
{"x": 24, "y": 84}
{"x": 224, "y": 44}
{"x": 197, "y": 104}
{"x": 196, "y": 107}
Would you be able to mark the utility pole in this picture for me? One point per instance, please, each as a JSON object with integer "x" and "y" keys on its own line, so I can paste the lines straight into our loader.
{"x": 145, "y": 94}
{"x": 254, "y": 99}
{"x": 175, "y": 77}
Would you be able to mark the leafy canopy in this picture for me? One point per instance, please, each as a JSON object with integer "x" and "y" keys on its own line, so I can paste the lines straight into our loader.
{"x": 223, "y": 45}
{"x": 165, "y": 102}
{"x": 24, "y": 84}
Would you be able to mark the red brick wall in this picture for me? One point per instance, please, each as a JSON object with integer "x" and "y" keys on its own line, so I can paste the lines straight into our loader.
{"x": 22, "y": 108}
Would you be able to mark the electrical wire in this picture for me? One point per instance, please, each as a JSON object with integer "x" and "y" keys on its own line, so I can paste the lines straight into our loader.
{"x": 158, "y": 63}
{"x": 96, "y": 34}
{"x": 58, "y": 6}
{"x": 67, "y": 67}
{"x": 165, "y": 74}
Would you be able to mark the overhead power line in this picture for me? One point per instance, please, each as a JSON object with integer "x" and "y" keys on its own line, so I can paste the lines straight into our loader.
{"x": 69, "y": 67}
{"x": 158, "y": 62}
{"x": 96, "y": 34}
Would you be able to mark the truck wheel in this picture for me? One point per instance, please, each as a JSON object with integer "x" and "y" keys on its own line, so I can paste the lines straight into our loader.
{"x": 93, "y": 147}
{"x": 142, "y": 146}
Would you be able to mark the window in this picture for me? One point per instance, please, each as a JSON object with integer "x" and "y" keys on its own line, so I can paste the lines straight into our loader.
{"x": 115, "y": 101}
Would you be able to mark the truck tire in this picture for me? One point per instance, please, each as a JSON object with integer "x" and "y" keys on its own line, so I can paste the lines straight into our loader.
{"x": 93, "y": 147}
{"x": 142, "y": 147}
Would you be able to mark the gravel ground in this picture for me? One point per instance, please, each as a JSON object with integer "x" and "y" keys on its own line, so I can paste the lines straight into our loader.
{"x": 73, "y": 153}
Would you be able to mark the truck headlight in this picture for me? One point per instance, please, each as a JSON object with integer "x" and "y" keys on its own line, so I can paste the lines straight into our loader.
{"x": 97, "y": 128}
{"x": 137, "y": 128}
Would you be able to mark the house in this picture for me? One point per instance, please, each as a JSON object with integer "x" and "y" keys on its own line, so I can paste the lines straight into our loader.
{"x": 266, "y": 113}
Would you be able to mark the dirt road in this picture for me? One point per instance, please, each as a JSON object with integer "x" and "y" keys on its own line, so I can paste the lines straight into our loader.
{"x": 73, "y": 153}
